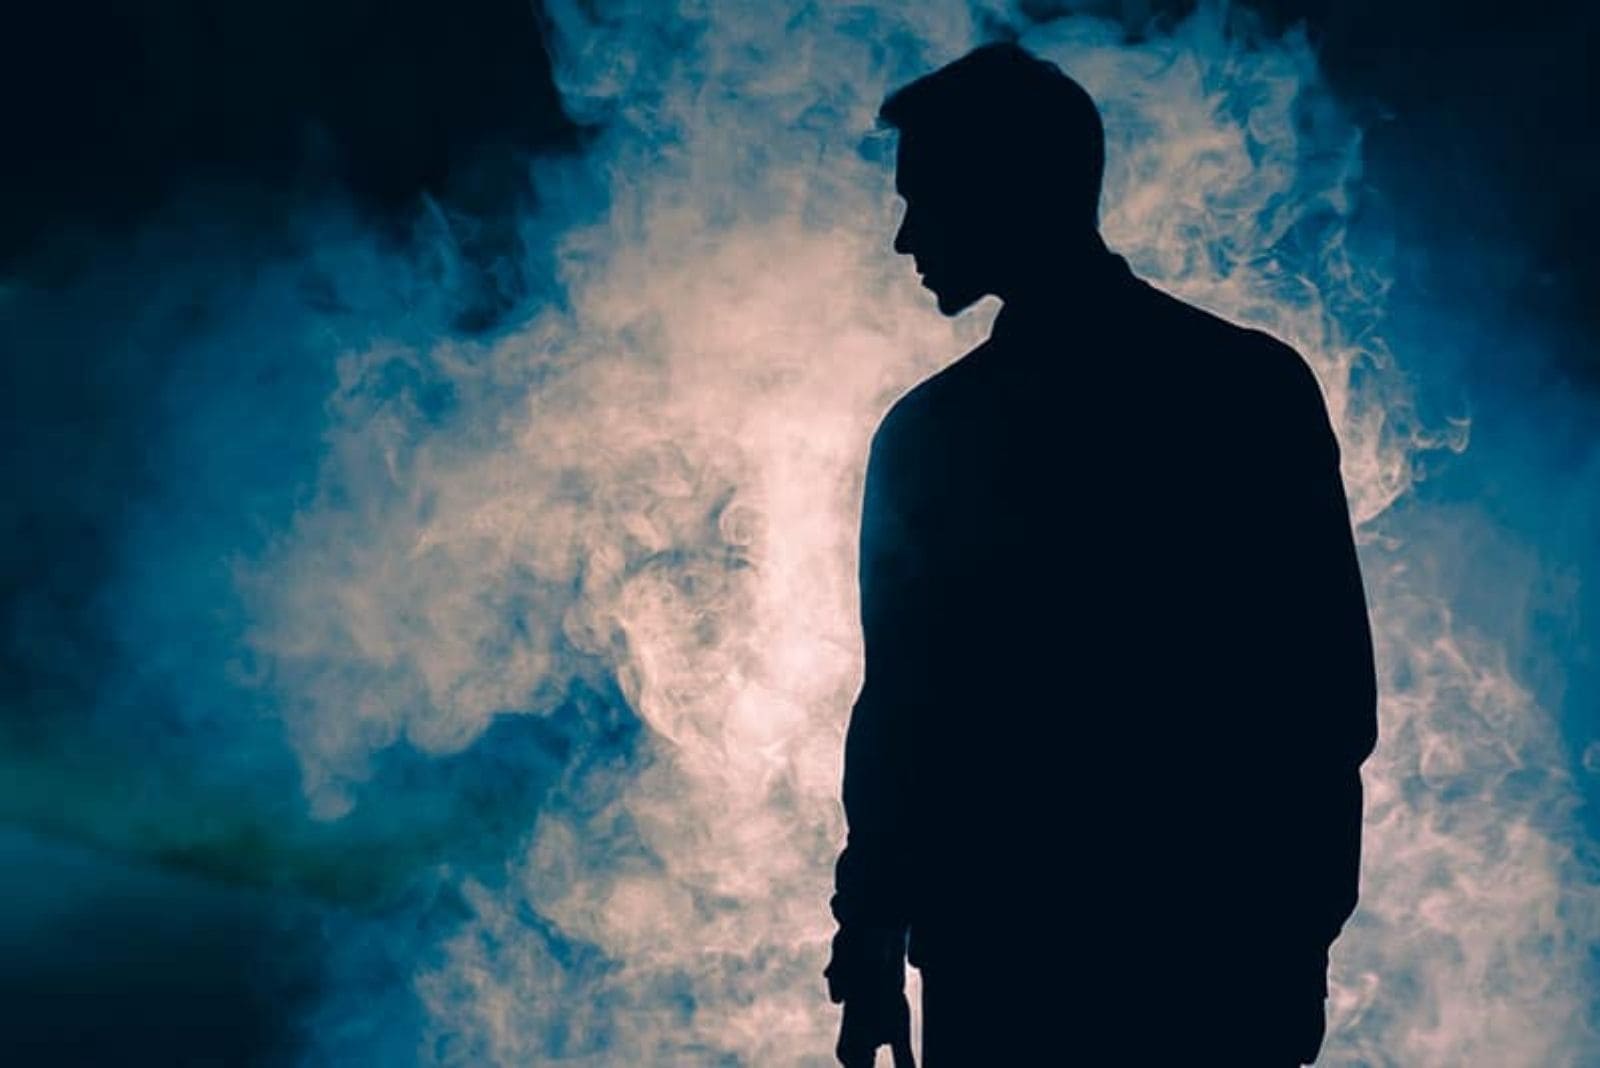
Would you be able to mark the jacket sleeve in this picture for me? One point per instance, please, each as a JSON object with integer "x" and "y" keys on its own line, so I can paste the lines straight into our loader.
{"x": 871, "y": 876}
{"x": 1321, "y": 673}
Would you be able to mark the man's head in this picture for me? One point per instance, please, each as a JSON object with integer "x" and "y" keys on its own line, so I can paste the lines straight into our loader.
{"x": 1000, "y": 162}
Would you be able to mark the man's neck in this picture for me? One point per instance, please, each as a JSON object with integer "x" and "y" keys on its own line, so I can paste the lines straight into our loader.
{"x": 1063, "y": 282}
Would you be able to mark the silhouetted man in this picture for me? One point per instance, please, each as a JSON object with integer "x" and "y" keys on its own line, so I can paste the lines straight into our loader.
{"x": 1104, "y": 765}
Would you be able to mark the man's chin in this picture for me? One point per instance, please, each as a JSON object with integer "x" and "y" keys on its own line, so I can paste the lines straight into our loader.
{"x": 954, "y": 302}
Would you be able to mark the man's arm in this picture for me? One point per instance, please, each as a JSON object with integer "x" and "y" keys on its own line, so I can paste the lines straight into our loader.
{"x": 1320, "y": 656}
{"x": 871, "y": 898}
{"x": 870, "y": 877}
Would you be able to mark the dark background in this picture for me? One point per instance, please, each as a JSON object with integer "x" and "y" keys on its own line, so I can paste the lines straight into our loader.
{"x": 1480, "y": 119}
{"x": 221, "y": 122}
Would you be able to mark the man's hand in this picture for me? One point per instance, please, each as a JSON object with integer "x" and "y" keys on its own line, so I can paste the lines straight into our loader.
{"x": 868, "y": 975}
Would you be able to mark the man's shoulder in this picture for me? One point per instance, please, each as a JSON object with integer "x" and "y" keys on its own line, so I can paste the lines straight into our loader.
{"x": 1247, "y": 360}
{"x": 899, "y": 435}
{"x": 1283, "y": 384}
{"x": 918, "y": 411}
{"x": 1281, "y": 399}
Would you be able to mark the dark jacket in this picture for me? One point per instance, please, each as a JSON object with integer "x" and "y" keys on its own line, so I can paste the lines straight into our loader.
{"x": 1119, "y": 677}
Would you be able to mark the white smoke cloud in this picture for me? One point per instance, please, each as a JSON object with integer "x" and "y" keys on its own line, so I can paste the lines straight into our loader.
{"x": 655, "y": 478}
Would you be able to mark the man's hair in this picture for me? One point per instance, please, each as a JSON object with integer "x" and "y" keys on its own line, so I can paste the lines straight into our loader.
{"x": 1004, "y": 121}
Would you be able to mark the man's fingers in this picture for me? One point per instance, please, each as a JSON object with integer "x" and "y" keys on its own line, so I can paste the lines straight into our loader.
{"x": 861, "y": 1032}
{"x": 870, "y": 1023}
{"x": 854, "y": 1052}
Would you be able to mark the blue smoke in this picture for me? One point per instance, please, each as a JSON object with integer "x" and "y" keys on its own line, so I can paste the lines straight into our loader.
{"x": 518, "y": 659}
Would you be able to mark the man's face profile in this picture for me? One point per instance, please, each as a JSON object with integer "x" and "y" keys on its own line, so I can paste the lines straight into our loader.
{"x": 942, "y": 230}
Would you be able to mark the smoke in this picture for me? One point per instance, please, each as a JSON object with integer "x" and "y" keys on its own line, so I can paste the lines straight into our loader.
{"x": 540, "y": 642}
